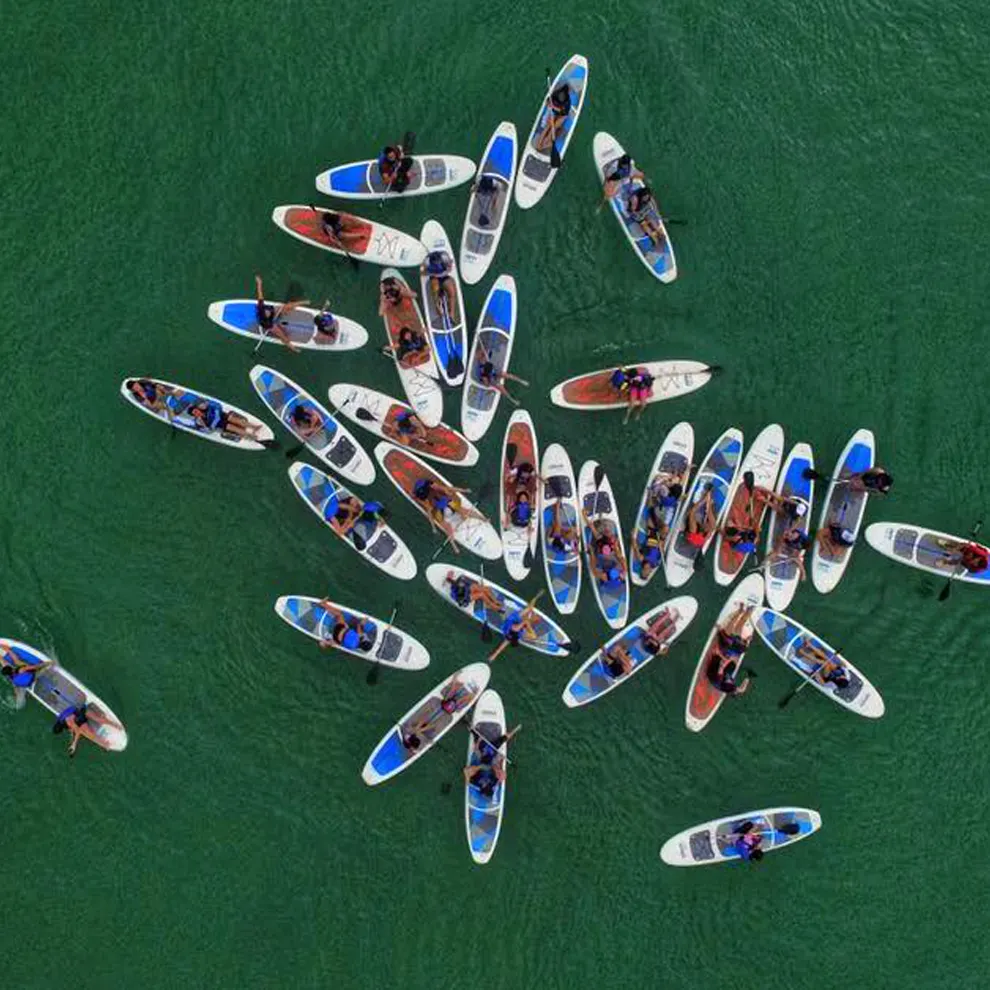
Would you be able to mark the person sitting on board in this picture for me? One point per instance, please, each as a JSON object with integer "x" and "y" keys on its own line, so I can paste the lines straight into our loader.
{"x": 790, "y": 546}
{"x": 834, "y": 538}
{"x": 634, "y": 385}
{"x": 20, "y": 672}
{"x": 343, "y": 514}
{"x": 642, "y": 208}
{"x": 304, "y": 419}
{"x": 405, "y": 427}
{"x": 440, "y": 266}
{"x": 520, "y": 513}
{"x": 731, "y": 642}
{"x": 519, "y": 623}
{"x": 523, "y": 475}
{"x": 562, "y": 537}
{"x": 617, "y": 661}
{"x": 394, "y": 298}
{"x": 652, "y": 639}
{"x": 648, "y": 551}
{"x": 701, "y": 519}
{"x": 411, "y": 347}
{"x": 485, "y": 777}
{"x": 490, "y": 377}
{"x": 968, "y": 554}
{"x": 874, "y": 481}
{"x": 664, "y": 495}
{"x": 741, "y": 529}
{"x": 269, "y": 317}
{"x": 208, "y": 415}
{"x": 488, "y": 191}
{"x": 622, "y": 171}
{"x": 82, "y": 721}
{"x": 558, "y": 105}
{"x": 465, "y": 592}
{"x": 150, "y": 394}
{"x": 605, "y": 560}
{"x": 337, "y": 227}
{"x": 350, "y": 632}
{"x": 326, "y": 329}
{"x": 394, "y": 166}
{"x": 827, "y": 668}
{"x": 453, "y": 698}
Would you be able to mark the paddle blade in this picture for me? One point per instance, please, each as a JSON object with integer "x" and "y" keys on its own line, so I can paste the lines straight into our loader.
{"x": 486, "y": 633}
{"x": 455, "y": 366}
{"x": 554, "y": 155}
{"x": 372, "y": 677}
{"x": 945, "y": 592}
{"x": 810, "y": 474}
{"x": 510, "y": 453}
{"x": 571, "y": 647}
{"x": 749, "y": 481}
{"x": 364, "y": 415}
{"x": 698, "y": 560}
{"x": 599, "y": 476}
{"x": 358, "y": 540}
{"x": 294, "y": 451}
{"x": 783, "y": 703}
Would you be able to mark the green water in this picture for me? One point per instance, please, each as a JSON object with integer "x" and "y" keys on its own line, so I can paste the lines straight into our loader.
{"x": 831, "y": 162}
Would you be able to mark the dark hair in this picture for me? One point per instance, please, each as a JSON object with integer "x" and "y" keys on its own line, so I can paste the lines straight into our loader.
{"x": 676, "y": 490}
{"x": 756, "y": 855}
{"x": 58, "y": 727}
{"x": 6, "y": 670}
{"x": 624, "y": 159}
{"x": 841, "y": 681}
{"x": 791, "y": 828}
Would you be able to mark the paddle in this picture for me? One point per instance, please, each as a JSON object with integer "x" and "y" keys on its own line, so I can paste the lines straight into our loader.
{"x": 455, "y": 364}
{"x": 555, "y": 161}
{"x": 810, "y": 474}
{"x": 408, "y": 141}
{"x": 785, "y": 701}
{"x": 355, "y": 264}
{"x": 486, "y": 630}
{"x": 947, "y": 590}
{"x": 372, "y": 677}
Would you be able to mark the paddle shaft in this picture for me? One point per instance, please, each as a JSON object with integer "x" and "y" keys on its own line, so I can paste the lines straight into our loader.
{"x": 947, "y": 590}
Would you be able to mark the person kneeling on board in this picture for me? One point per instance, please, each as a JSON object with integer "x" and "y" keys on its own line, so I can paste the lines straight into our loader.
{"x": 827, "y": 667}
{"x": 21, "y": 673}
{"x": 393, "y": 166}
{"x": 336, "y": 228}
{"x": 731, "y": 643}
{"x": 465, "y": 592}
{"x": 974, "y": 557}
{"x": 351, "y": 632}
{"x": 642, "y": 208}
{"x": 559, "y": 106}
{"x": 439, "y": 267}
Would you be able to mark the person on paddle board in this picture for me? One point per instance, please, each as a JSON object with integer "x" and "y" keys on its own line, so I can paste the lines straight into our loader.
{"x": 741, "y": 529}
{"x": 343, "y": 514}
{"x": 405, "y": 427}
{"x": 485, "y": 777}
{"x": 490, "y": 377}
{"x": 21, "y": 673}
{"x": 326, "y": 329}
{"x": 487, "y": 749}
{"x": 791, "y": 545}
{"x": 150, "y": 394}
{"x": 624, "y": 170}
{"x": 394, "y": 166}
{"x": 438, "y": 499}
{"x": 304, "y": 420}
{"x": 725, "y": 660}
{"x": 834, "y": 538}
{"x": 519, "y": 623}
{"x": 874, "y": 481}
{"x": 972, "y": 556}
{"x": 466, "y": 592}
{"x": 520, "y": 513}
{"x": 662, "y": 499}
{"x": 338, "y": 228}
{"x": 701, "y": 519}
{"x": 209, "y": 416}
{"x": 562, "y": 537}
{"x": 82, "y": 721}
{"x": 350, "y": 632}
{"x": 488, "y": 191}
{"x": 453, "y": 698}
{"x": 439, "y": 266}
{"x": 635, "y": 387}
{"x": 606, "y": 560}
{"x": 751, "y": 838}
{"x": 409, "y": 344}
{"x": 558, "y": 105}
{"x": 827, "y": 668}
{"x": 642, "y": 208}
{"x": 269, "y": 317}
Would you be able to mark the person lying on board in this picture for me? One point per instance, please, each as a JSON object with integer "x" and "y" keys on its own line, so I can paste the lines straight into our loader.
{"x": 518, "y": 623}
{"x": 558, "y": 105}
{"x": 453, "y": 698}
{"x": 304, "y": 419}
{"x": 325, "y": 326}
{"x": 20, "y": 672}
{"x": 648, "y": 552}
{"x": 439, "y": 266}
{"x": 406, "y": 427}
{"x": 606, "y": 559}
{"x": 465, "y": 592}
{"x": 485, "y": 777}
{"x": 622, "y": 171}
{"x": 701, "y": 519}
{"x": 490, "y": 377}
{"x": 350, "y": 632}
{"x": 269, "y": 317}
{"x": 209, "y": 416}
{"x": 438, "y": 499}
{"x": 635, "y": 387}
{"x": 725, "y": 660}
{"x": 411, "y": 347}
{"x": 834, "y": 538}
{"x": 339, "y": 229}
{"x": 972, "y": 556}
{"x": 488, "y": 194}
{"x": 150, "y": 394}
{"x": 562, "y": 537}
{"x": 82, "y": 721}
{"x": 791, "y": 546}
{"x": 874, "y": 481}
{"x": 642, "y": 208}
{"x": 827, "y": 667}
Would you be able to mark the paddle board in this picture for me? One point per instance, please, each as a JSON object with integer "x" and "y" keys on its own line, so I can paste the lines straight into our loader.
{"x": 374, "y": 540}
{"x": 175, "y": 413}
{"x": 704, "y": 699}
{"x": 786, "y": 636}
{"x": 333, "y": 443}
{"x": 488, "y": 206}
{"x": 763, "y": 461}
{"x": 387, "y": 645}
{"x": 716, "y": 841}
{"x": 599, "y": 506}
{"x": 404, "y": 469}
{"x": 483, "y": 815}
{"x": 240, "y": 316}
{"x": 364, "y": 239}
{"x": 548, "y": 638}
{"x": 843, "y": 507}
{"x": 673, "y": 462}
{"x": 492, "y": 342}
{"x": 419, "y": 380}
{"x": 448, "y": 330}
{"x": 519, "y": 542}
{"x": 535, "y": 172}
{"x": 918, "y": 547}
{"x": 718, "y": 469}
{"x": 378, "y": 413}
{"x": 658, "y": 258}
{"x": 594, "y": 392}
{"x": 593, "y": 678}
{"x": 363, "y": 180}
{"x": 393, "y": 754}
{"x": 783, "y": 575}
{"x": 561, "y": 567}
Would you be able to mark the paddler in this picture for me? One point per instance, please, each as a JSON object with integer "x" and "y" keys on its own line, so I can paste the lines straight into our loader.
{"x": 490, "y": 377}
{"x": 972, "y": 556}
{"x": 622, "y": 171}
{"x": 874, "y": 481}
{"x": 827, "y": 668}
{"x": 641, "y": 207}
{"x": 751, "y": 838}
{"x": 731, "y": 642}
{"x": 453, "y": 698}
{"x": 338, "y": 228}
{"x": 701, "y": 519}
{"x": 486, "y": 777}
{"x": 791, "y": 546}
{"x": 741, "y": 529}
{"x": 405, "y": 427}
{"x": 393, "y": 167}
{"x": 558, "y": 105}
{"x": 488, "y": 749}
{"x": 325, "y": 326}
{"x": 662, "y": 498}
{"x": 606, "y": 559}
{"x": 465, "y": 592}
{"x": 438, "y": 498}
{"x": 562, "y": 537}
{"x": 350, "y": 632}
{"x": 208, "y": 415}
{"x": 634, "y": 385}
{"x": 519, "y": 623}
{"x": 20, "y": 672}
{"x": 150, "y": 394}
{"x": 304, "y": 420}
{"x": 82, "y": 721}
{"x": 269, "y": 317}
{"x": 834, "y": 538}
{"x": 343, "y": 514}
{"x": 618, "y": 661}
{"x": 439, "y": 266}
{"x": 520, "y": 513}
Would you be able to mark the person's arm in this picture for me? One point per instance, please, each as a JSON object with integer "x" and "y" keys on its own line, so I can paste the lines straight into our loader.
{"x": 498, "y": 650}
{"x": 259, "y": 291}
{"x": 469, "y": 772}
